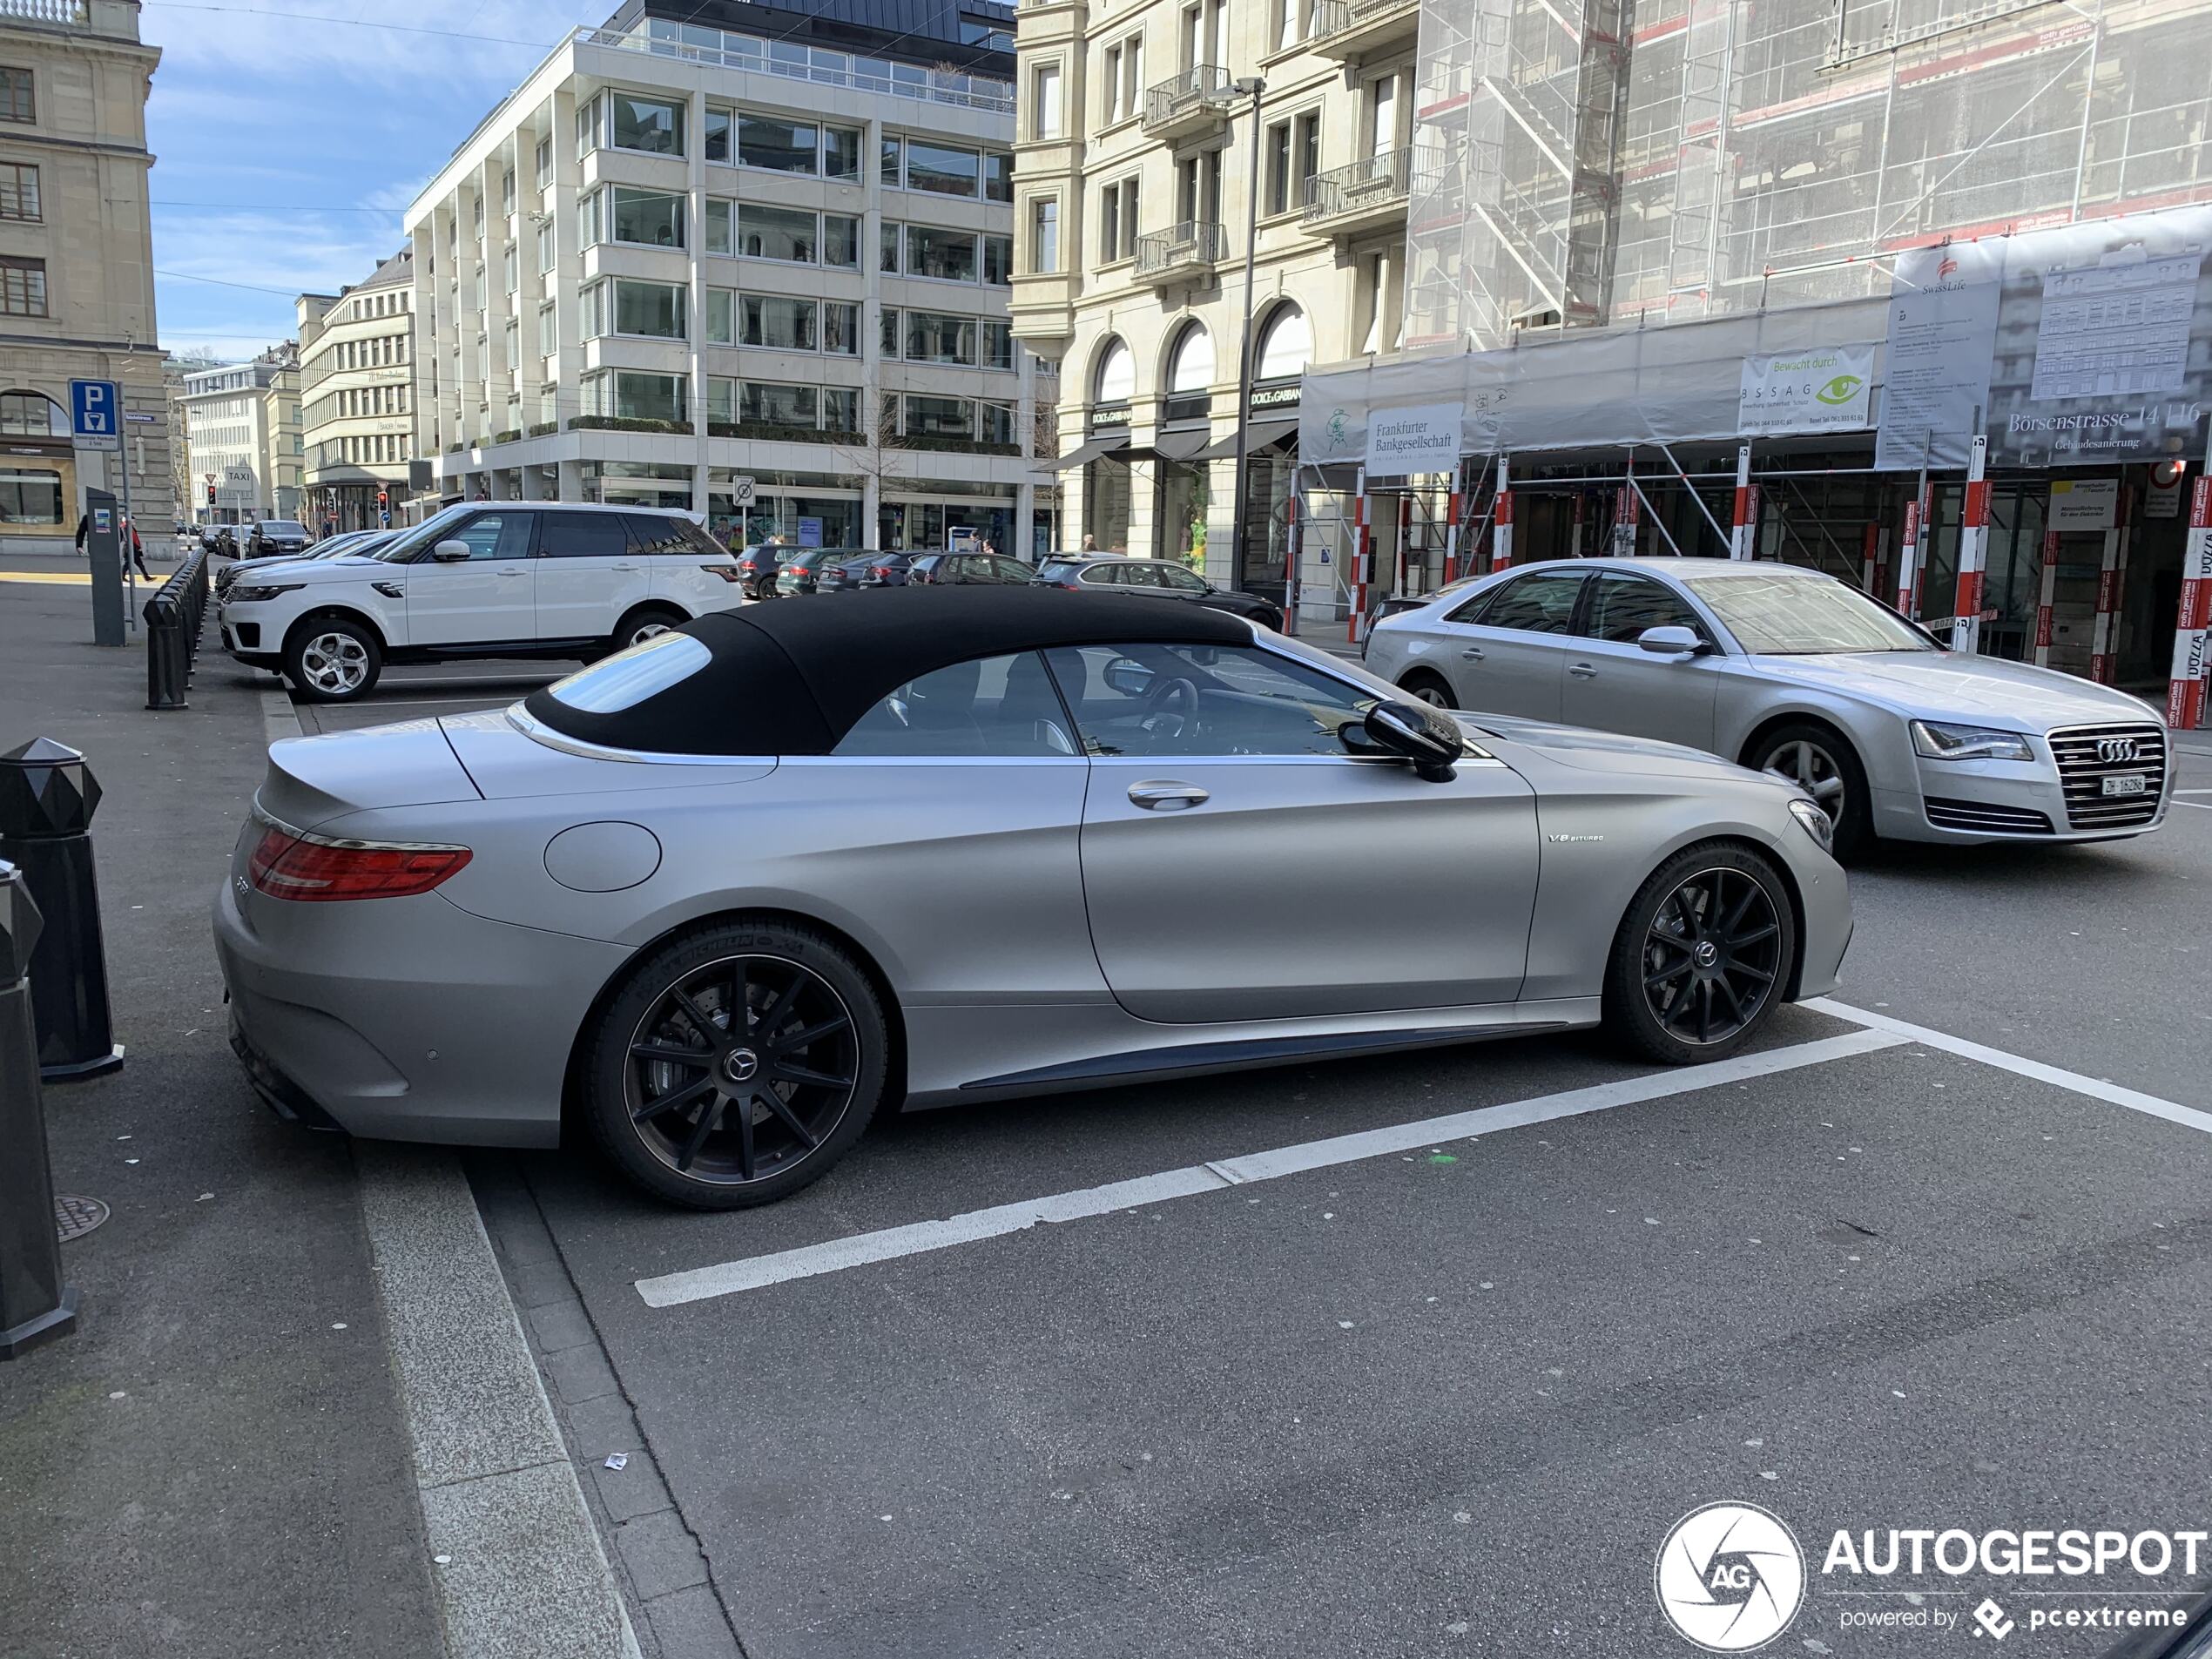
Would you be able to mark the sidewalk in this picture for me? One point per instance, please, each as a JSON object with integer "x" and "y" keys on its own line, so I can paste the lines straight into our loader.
{"x": 215, "y": 1462}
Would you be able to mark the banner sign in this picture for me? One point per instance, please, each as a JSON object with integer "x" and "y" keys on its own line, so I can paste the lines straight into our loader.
{"x": 1816, "y": 391}
{"x": 1422, "y": 439}
{"x": 1935, "y": 373}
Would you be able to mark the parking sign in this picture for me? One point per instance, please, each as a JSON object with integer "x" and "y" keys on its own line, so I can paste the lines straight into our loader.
{"x": 96, "y": 414}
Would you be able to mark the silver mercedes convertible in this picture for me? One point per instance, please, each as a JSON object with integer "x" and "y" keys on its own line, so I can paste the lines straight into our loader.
{"x": 717, "y": 898}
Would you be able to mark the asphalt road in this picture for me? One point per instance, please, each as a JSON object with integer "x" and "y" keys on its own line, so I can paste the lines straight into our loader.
{"x": 1449, "y": 1399}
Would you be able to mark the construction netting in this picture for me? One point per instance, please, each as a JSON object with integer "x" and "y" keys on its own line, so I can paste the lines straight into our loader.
{"x": 1581, "y": 162}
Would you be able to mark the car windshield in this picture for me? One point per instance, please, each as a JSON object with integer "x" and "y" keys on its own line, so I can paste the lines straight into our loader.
{"x": 283, "y": 527}
{"x": 1803, "y": 616}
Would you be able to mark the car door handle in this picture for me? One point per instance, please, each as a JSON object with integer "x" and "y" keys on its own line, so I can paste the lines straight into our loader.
{"x": 1167, "y": 796}
{"x": 1472, "y": 654}
{"x": 1583, "y": 671}
{"x": 512, "y": 570}
{"x": 622, "y": 567}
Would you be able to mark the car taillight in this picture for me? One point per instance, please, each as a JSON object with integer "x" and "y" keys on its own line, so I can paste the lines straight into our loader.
{"x": 290, "y": 863}
{"x": 879, "y": 569}
{"x": 727, "y": 572}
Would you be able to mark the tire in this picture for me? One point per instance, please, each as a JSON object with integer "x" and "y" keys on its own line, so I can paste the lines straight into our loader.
{"x": 1666, "y": 997}
{"x": 332, "y": 659}
{"x": 1429, "y": 687}
{"x": 642, "y": 623}
{"x": 776, "y": 1148}
{"x": 1818, "y": 757}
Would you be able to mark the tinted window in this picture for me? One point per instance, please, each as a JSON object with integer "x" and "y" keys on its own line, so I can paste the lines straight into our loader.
{"x": 1542, "y": 603}
{"x": 1621, "y": 607}
{"x": 1107, "y": 576}
{"x": 490, "y": 535}
{"x": 651, "y": 533}
{"x": 1010, "y": 569}
{"x": 583, "y": 536}
{"x": 1057, "y": 570}
{"x": 999, "y": 705}
{"x": 1204, "y": 700}
{"x": 1181, "y": 580}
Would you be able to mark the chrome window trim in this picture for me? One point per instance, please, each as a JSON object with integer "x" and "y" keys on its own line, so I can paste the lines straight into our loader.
{"x": 534, "y": 729}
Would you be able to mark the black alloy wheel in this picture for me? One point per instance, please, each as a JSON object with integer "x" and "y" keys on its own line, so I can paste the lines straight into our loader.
{"x": 1702, "y": 956}
{"x": 737, "y": 1066}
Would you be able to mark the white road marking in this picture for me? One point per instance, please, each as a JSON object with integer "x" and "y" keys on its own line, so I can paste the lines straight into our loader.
{"x": 2096, "y": 1087}
{"x": 2193, "y": 792}
{"x": 2195, "y": 806}
{"x": 753, "y": 1273}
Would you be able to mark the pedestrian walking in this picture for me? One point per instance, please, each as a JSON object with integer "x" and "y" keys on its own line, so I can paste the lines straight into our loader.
{"x": 137, "y": 553}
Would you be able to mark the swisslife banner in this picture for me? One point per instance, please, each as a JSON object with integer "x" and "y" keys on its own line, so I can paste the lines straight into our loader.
{"x": 2069, "y": 346}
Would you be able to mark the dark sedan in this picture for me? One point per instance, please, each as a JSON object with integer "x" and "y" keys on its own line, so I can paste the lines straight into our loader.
{"x": 1162, "y": 578}
{"x": 966, "y": 570}
{"x": 275, "y": 538}
{"x": 804, "y": 570}
{"x": 863, "y": 570}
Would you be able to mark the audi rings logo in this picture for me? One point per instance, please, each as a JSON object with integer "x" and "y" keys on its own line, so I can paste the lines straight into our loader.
{"x": 1730, "y": 1577}
{"x": 2111, "y": 750}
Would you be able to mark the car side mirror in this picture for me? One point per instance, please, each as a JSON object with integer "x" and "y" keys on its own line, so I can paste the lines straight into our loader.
{"x": 453, "y": 552}
{"x": 1671, "y": 641}
{"x": 1429, "y": 738}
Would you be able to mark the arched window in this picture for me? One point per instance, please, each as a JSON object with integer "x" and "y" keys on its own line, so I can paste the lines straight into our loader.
{"x": 1190, "y": 365}
{"x": 1286, "y": 343}
{"x": 1117, "y": 381}
{"x": 33, "y": 414}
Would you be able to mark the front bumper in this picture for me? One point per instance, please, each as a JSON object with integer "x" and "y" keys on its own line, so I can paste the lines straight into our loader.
{"x": 407, "y": 1019}
{"x": 1823, "y": 896}
{"x": 1979, "y": 802}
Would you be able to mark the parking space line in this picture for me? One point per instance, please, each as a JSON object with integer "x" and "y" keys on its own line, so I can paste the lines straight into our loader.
{"x": 2096, "y": 1087}
{"x": 832, "y": 1256}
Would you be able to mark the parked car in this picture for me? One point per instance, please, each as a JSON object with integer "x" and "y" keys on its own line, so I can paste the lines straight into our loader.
{"x": 480, "y": 579}
{"x": 963, "y": 569}
{"x": 274, "y": 538}
{"x": 328, "y": 548}
{"x": 1155, "y": 578}
{"x": 445, "y": 930}
{"x": 1788, "y": 669}
{"x": 756, "y": 566}
{"x": 802, "y": 571}
{"x": 864, "y": 570}
{"x": 1398, "y": 605}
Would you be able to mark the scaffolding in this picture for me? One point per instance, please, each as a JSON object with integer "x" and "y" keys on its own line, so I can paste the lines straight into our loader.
{"x": 1581, "y": 163}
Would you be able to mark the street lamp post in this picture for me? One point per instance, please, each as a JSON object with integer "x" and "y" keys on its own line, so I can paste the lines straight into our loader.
{"x": 1250, "y": 87}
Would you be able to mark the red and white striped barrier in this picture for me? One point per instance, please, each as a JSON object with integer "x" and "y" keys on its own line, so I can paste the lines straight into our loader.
{"x": 1973, "y": 552}
{"x": 1356, "y": 625}
{"x": 1290, "y": 562}
{"x": 1451, "y": 533}
{"x": 2185, "y": 690}
{"x": 1502, "y": 519}
{"x": 2043, "y": 603}
{"x": 1743, "y": 533}
{"x": 1909, "y": 551}
{"x": 2112, "y": 570}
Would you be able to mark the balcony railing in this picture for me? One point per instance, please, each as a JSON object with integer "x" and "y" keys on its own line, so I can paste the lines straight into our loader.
{"x": 1201, "y": 94}
{"x": 1366, "y": 190}
{"x": 1347, "y": 27}
{"x": 60, "y": 11}
{"x": 1195, "y": 245}
{"x": 697, "y": 44}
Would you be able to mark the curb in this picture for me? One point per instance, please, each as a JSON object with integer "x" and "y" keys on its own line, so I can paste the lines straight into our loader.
{"x": 516, "y": 1562}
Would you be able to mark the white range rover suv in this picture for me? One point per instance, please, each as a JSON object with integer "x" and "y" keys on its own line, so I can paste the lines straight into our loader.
{"x": 516, "y": 578}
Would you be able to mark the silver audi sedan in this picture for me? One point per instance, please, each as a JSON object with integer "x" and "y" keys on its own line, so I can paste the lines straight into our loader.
{"x": 1786, "y": 670}
{"x": 717, "y": 900}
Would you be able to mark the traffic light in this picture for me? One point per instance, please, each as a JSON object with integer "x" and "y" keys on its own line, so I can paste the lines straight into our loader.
{"x": 383, "y": 498}
{"x": 211, "y": 494}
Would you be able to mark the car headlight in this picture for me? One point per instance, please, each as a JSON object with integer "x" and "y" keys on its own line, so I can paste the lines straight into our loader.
{"x": 1814, "y": 822}
{"x": 242, "y": 595}
{"x": 1939, "y": 742}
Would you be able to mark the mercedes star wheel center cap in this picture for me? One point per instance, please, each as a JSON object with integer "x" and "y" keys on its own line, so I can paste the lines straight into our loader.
{"x": 740, "y": 1065}
{"x": 1706, "y": 953}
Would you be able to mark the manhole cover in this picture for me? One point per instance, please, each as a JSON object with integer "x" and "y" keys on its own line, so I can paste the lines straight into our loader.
{"x": 74, "y": 1216}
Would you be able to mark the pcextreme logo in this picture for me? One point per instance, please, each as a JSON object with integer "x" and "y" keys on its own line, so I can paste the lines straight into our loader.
{"x": 1842, "y": 389}
{"x": 1729, "y": 1577}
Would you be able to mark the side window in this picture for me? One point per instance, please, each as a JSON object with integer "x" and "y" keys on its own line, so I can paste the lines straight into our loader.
{"x": 1540, "y": 603}
{"x": 655, "y": 533}
{"x": 996, "y": 705}
{"x": 1623, "y": 606}
{"x": 583, "y": 536}
{"x": 1198, "y": 700}
{"x": 1105, "y": 576}
{"x": 1011, "y": 569}
{"x": 1141, "y": 575}
{"x": 494, "y": 536}
{"x": 1181, "y": 580}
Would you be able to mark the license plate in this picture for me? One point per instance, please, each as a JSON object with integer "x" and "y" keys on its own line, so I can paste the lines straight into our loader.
{"x": 2127, "y": 784}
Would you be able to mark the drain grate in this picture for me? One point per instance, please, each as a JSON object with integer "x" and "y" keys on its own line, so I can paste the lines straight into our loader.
{"x": 74, "y": 1216}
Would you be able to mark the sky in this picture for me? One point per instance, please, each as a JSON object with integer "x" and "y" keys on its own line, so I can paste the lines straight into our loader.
{"x": 290, "y": 135}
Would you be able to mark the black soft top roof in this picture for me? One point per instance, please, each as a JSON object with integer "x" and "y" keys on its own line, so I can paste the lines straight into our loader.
{"x": 791, "y": 678}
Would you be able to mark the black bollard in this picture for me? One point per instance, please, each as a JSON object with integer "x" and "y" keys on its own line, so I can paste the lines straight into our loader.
{"x": 47, "y": 796}
{"x": 35, "y": 1305}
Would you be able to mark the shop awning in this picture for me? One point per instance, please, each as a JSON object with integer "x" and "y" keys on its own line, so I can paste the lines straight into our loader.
{"x": 1180, "y": 446}
{"x": 1088, "y": 452}
{"x": 1258, "y": 436}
